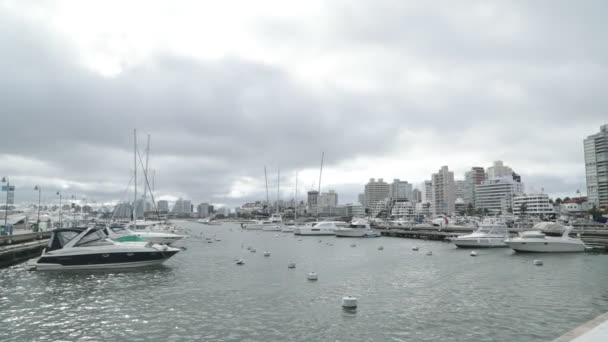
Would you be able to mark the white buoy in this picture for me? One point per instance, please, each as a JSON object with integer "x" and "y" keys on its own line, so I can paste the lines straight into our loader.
{"x": 429, "y": 253}
{"x": 538, "y": 262}
{"x": 291, "y": 264}
{"x": 473, "y": 253}
{"x": 380, "y": 248}
{"x": 300, "y": 239}
{"x": 267, "y": 254}
{"x": 240, "y": 262}
{"x": 349, "y": 302}
{"x": 353, "y": 245}
{"x": 312, "y": 276}
{"x": 415, "y": 248}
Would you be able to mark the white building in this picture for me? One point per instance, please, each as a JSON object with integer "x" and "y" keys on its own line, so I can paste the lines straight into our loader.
{"x": 354, "y": 210}
{"x": 376, "y": 191}
{"x": 596, "y": 167}
{"x": 443, "y": 192}
{"x": 498, "y": 170}
{"x": 497, "y": 194}
{"x": 378, "y": 207}
{"x": 403, "y": 209}
{"x": 427, "y": 191}
{"x": 400, "y": 190}
{"x": 163, "y": 206}
{"x": 535, "y": 205}
{"x": 423, "y": 208}
{"x": 312, "y": 203}
{"x": 203, "y": 210}
{"x": 328, "y": 199}
{"x": 473, "y": 177}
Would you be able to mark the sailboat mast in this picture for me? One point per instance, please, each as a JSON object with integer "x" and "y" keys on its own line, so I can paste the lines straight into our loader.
{"x": 295, "y": 209}
{"x": 135, "y": 174}
{"x": 267, "y": 199}
{"x": 321, "y": 171}
{"x": 146, "y": 169}
{"x": 278, "y": 187}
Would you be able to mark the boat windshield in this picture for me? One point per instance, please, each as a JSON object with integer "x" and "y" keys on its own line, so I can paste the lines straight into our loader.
{"x": 94, "y": 238}
{"x": 120, "y": 230}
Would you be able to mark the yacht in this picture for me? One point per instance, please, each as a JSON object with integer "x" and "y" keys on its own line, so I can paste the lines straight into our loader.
{"x": 489, "y": 234}
{"x": 273, "y": 223}
{"x": 317, "y": 228}
{"x": 537, "y": 241}
{"x": 357, "y": 228}
{"x": 123, "y": 233}
{"x": 89, "y": 249}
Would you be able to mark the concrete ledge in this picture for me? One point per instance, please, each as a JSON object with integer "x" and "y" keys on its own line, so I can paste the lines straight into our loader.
{"x": 596, "y": 330}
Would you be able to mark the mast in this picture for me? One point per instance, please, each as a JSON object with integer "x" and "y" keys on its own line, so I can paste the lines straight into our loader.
{"x": 295, "y": 209}
{"x": 267, "y": 200}
{"x": 135, "y": 174}
{"x": 278, "y": 187}
{"x": 146, "y": 169}
{"x": 321, "y": 171}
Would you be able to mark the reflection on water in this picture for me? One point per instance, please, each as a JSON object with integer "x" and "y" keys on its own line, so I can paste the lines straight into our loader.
{"x": 403, "y": 295}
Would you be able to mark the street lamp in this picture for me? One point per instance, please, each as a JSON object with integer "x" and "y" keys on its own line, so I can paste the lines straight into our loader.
{"x": 39, "y": 189}
{"x": 8, "y": 188}
{"x": 60, "y": 209}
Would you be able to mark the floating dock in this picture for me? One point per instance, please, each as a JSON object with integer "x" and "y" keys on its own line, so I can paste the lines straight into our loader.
{"x": 20, "y": 247}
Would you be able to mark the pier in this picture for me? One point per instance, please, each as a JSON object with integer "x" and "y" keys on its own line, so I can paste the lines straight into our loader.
{"x": 20, "y": 247}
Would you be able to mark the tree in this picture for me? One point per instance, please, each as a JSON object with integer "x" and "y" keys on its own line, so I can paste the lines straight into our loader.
{"x": 522, "y": 209}
{"x": 510, "y": 210}
{"x": 558, "y": 201}
{"x": 470, "y": 209}
{"x": 486, "y": 211}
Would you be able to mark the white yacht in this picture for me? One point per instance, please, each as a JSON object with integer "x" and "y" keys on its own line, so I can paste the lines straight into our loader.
{"x": 317, "y": 228}
{"x": 537, "y": 241}
{"x": 489, "y": 234}
{"x": 357, "y": 228}
{"x": 89, "y": 249}
{"x": 274, "y": 223}
{"x": 123, "y": 233}
{"x": 208, "y": 221}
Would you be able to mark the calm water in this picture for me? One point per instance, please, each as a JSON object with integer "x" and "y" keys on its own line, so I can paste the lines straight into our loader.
{"x": 403, "y": 295}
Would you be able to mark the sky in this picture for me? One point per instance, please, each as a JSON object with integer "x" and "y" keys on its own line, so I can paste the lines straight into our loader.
{"x": 385, "y": 88}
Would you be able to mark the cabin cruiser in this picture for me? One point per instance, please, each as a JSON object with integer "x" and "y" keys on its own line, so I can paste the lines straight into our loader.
{"x": 357, "y": 228}
{"x": 89, "y": 248}
{"x": 274, "y": 224}
{"x": 537, "y": 241}
{"x": 317, "y": 228}
{"x": 123, "y": 233}
{"x": 489, "y": 234}
{"x": 208, "y": 221}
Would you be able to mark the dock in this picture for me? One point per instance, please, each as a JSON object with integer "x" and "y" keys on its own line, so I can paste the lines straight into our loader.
{"x": 596, "y": 330}
{"x": 22, "y": 246}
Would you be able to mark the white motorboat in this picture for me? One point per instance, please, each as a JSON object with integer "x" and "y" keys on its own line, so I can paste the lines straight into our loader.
{"x": 123, "y": 233}
{"x": 357, "y": 228}
{"x": 273, "y": 224}
{"x": 317, "y": 228}
{"x": 89, "y": 249}
{"x": 208, "y": 221}
{"x": 537, "y": 241}
{"x": 489, "y": 234}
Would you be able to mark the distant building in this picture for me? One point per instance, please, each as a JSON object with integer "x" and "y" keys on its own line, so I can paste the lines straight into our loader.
{"x": 361, "y": 198}
{"x": 443, "y": 192}
{"x": 182, "y": 207}
{"x": 423, "y": 208}
{"x": 496, "y": 195}
{"x": 427, "y": 191}
{"x": 416, "y": 196}
{"x": 596, "y": 167}
{"x": 202, "y": 210}
{"x": 123, "y": 210}
{"x": 376, "y": 191}
{"x": 498, "y": 170}
{"x": 163, "y": 206}
{"x": 534, "y": 205}
{"x": 354, "y": 210}
{"x": 459, "y": 189}
{"x": 472, "y": 178}
{"x": 313, "y": 198}
{"x": 328, "y": 199}
{"x": 400, "y": 190}
{"x": 403, "y": 209}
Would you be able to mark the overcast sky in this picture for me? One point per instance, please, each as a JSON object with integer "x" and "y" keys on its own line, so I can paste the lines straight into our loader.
{"x": 386, "y": 88}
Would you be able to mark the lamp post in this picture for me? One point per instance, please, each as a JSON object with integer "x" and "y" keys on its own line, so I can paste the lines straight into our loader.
{"x": 8, "y": 188}
{"x": 39, "y": 189}
{"x": 60, "y": 209}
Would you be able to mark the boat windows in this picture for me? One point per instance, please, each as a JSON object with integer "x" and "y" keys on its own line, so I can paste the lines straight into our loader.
{"x": 94, "y": 238}
{"x": 120, "y": 230}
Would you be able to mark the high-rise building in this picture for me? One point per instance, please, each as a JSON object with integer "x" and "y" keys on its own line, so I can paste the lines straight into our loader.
{"x": 163, "y": 206}
{"x": 459, "y": 189}
{"x": 498, "y": 170}
{"x": 313, "y": 197}
{"x": 427, "y": 191}
{"x": 596, "y": 167}
{"x": 416, "y": 196}
{"x": 471, "y": 178}
{"x": 203, "y": 210}
{"x": 376, "y": 191}
{"x": 361, "y": 199}
{"x": 443, "y": 192}
{"x": 532, "y": 204}
{"x": 497, "y": 194}
{"x": 328, "y": 199}
{"x": 182, "y": 207}
{"x": 400, "y": 190}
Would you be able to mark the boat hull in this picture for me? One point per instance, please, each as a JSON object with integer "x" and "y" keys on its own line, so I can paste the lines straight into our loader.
{"x": 480, "y": 243}
{"x": 101, "y": 260}
{"x": 546, "y": 247}
{"x": 358, "y": 233}
{"x": 308, "y": 232}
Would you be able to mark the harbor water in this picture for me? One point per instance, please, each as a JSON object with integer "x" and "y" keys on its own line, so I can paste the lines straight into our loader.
{"x": 403, "y": 295}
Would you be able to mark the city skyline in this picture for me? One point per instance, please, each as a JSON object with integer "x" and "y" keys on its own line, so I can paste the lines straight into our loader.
{"x": 279, "y": 90}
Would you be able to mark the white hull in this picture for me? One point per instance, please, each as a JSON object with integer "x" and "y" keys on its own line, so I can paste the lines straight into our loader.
{"x": 546, "y": 246}
{"x": 354, "y": 232}
{"x": 309, "y": 232}
{"x": 480, "y": 242}
{"x": 287, "y": 230}
{"x": 272, "y": 228}
{"x": 58, "y": 267}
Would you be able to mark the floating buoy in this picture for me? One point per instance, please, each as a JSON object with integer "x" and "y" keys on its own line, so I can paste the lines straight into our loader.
{"x": 429, "y": 253}
{"x": 538, "y": 262}
{"x": 209, "y": 241}
{"x": 473, "y": 253}
{"x": 349, "y": 302}
{"x": 249, "y": 248}
{"x": 252, "y": 250}
{"x": 266, "y": 254}
{"x": 320, "y": 241}
{"x": 218, "y": 240}
{"x": 240, "y": 262}
{"x": 415, "y": 248}
{"x": 291, "y": 264}
{"x": 380, "y": 248}
{"x": 312, "y": 276}
{"x": 354, "y": 245}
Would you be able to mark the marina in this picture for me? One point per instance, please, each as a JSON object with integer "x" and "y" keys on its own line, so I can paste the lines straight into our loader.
{"x": 200, "y": 294}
